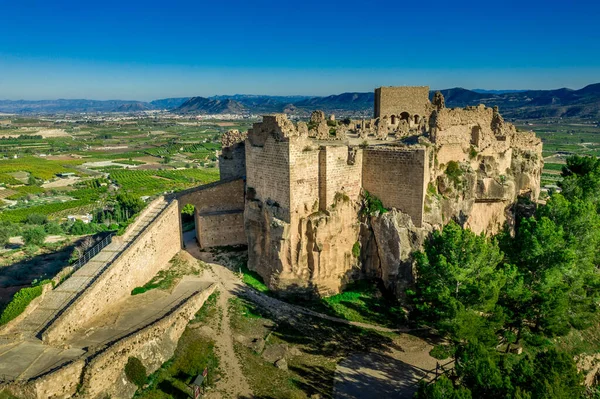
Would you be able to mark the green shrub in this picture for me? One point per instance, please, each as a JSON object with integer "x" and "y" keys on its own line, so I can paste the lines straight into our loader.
{"x": 312, "y": 125}
{"x": 4, "y": 236}
{"x": 188, "y": 209}
{"x": 135, "y": 371}
{"x": 472, "y": 153}
{"x": 20, "y": 301}
{"x": 442, "y": 352}
{"x": 34, "y": 235}
{"x": 53, "y": 228}
{"x": 454, "y": 172}
{"x": 36, "y": 218}
{"x": 356, "y": 249}
{"x": 372, "y": 205}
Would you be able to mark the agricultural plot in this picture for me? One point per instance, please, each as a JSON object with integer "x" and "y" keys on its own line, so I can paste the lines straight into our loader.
{"x": 561, "y": 141}
{"x": 151, "y": 182}
{"x": 37, "y": 167}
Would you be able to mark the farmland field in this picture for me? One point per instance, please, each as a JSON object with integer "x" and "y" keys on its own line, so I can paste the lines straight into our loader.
{"x": 143, "y": 157}
{"x": 562, "y": 139}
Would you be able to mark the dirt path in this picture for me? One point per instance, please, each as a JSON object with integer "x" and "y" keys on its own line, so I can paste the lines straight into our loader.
{"x": 233, "y": 384}
{"x": 395, "y": 371}
{"x": 280, "y": 309}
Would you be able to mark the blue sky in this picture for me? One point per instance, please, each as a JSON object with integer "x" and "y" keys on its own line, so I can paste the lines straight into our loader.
{"x": 144, "y": 50}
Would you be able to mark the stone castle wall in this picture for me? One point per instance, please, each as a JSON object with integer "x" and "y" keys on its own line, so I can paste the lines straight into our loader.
{"x": 148, "y": 254}
{"x": 221, "y": 229}
{"x": 304, "y": 177}
{"x": 232, "y": 162}
{"x": 340, "y": 172}
{"x": 268, "y": 172}
{"x": 396, "y": 100}
{"x": 219, "y": 212}
{"x": 398, "y": 177}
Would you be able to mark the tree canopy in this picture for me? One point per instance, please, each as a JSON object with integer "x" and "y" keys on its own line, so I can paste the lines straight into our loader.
{"x": 487, "y": 294}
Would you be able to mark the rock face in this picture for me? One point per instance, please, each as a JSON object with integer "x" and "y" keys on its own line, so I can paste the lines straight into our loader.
{"x": 390, "y": 240}
{"x": 590, "y": 366}
{"x": 311, "y": 254}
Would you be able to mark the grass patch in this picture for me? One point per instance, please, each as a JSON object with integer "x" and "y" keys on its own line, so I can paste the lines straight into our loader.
{"x": 21, "y": 300}
{"x": 209, "y": 310}
{"x": 7, "y": 395}
{"x": 315, "y": 346}
{"x": 266, "y": 380}
{"x": 236, "y": 259}
{"x": 580, "y": 341}
{"x": 361, "y": 301}
{"x": 194, "y": 353}
{"x": 168, "y": 278}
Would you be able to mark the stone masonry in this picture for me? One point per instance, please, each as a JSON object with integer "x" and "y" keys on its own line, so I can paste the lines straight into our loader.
{"x": 300, "y": 208}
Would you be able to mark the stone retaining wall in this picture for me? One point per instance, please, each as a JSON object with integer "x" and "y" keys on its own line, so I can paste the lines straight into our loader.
{"x": 149, "y": 253}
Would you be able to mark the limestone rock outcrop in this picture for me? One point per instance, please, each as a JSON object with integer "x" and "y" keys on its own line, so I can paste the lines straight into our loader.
{"x": 389, "y": 241}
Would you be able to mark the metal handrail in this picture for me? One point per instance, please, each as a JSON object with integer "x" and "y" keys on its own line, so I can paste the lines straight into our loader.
{"x": 92, "y": 252}
{"x": 46, "y": 324}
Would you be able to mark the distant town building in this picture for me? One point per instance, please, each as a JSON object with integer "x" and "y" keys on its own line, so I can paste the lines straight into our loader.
{"x": 65, "y": 175}
{"x": 84, "y": 218}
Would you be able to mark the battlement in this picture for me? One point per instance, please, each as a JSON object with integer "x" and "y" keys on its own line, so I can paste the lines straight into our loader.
{"x": 277, "y": 126}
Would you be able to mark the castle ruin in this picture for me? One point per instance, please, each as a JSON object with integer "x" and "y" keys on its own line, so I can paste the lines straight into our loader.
{"x": 299, "y": 210}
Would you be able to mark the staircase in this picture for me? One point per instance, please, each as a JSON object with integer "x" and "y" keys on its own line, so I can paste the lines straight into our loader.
{"x": 55, "y": 301}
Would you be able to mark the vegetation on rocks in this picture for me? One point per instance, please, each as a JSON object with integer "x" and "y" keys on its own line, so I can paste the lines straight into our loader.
{"x": 168, "y": 278}
{"x": 454, "y": 173}
{"x": 135, "y": 371}
{"x": 372, "y": 205}
{"x": 19, "y": 302}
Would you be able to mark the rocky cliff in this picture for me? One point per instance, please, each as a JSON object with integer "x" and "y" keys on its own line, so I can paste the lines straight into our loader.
{"x": 310, "y": 254}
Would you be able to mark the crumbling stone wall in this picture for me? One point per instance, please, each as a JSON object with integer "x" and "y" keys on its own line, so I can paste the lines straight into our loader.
{"x": 149, "y": 253}
{"x": 104, "y": 374}
{"x": 60, "y": 384}
{"x": 303, "y": 193}
{"x": 268, "y": 160}
{"x": 398, "y": 177}
{"x": 232, "y": 160}
{"x": 300, "y": 234}
{"x": 340, "y": 169}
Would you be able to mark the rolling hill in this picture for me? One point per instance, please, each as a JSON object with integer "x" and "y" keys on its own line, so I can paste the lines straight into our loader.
{"x": 527, "y": 104}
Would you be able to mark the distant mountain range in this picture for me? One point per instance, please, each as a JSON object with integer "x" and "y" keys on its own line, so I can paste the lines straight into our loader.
{"x": 521, "y": 104}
